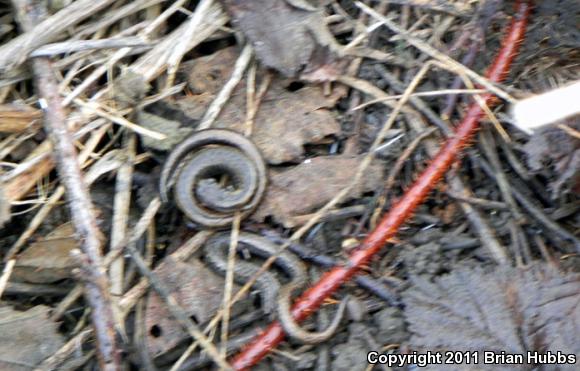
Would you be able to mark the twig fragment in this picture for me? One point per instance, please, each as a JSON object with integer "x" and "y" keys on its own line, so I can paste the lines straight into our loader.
{"x": 79, "y": 201}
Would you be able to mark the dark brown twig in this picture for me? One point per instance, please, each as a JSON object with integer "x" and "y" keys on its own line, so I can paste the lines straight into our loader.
{"x": 418, "y": 103}
{"x": 480, "y": 202}
{"x": 80, "y": 205}
{"x": 535, "y": 211}
{"x": 488, "y": 145}
{"x": 457, "y": 82}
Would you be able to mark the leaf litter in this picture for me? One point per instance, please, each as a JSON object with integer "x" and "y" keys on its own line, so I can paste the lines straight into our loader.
{"x": 297, "y": 121}
{"x": 287, "y": 120}
{"x": 289, "y": 36}
{"x": 49, "y": 259}
{"x": 198, "y": 291}
{"x": 554, "y": 147}
{"x": 305, "y": 187}
{"x": 27, "y": 338}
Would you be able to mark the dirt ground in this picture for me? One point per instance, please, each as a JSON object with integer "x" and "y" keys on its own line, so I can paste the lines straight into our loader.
{"x": 131, "y": 130}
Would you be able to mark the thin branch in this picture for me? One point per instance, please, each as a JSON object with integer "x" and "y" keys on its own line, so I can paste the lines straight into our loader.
{"x": 80, "y": 204}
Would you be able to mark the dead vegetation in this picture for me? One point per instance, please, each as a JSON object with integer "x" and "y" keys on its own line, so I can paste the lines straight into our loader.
{"x": 346, "y": 102}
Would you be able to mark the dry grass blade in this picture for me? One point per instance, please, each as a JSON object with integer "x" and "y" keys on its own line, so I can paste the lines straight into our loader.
{"x": 14, "y": 119}
{"x": 229, "y": 282}
{"x": 16, "y": 51}
{"x": 434, "y": 53}
{"x": 216, "y": 106}
{"x": 82, "y": 45}
{"x": 154, "y": 62}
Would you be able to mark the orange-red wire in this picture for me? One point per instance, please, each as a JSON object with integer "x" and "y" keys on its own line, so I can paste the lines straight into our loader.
{"x": 401, "y": 211}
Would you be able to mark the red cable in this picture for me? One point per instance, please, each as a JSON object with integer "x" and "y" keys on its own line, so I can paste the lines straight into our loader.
{"x": 401, "y": 211}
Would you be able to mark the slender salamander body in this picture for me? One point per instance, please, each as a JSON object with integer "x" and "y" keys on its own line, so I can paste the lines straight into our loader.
{"x": 273, "y": 295}
{"x": 194, "y": 165}
{"x": 216, "y": 253}
{"x": 372, "y": 285}
{"x": 293, "y": 329}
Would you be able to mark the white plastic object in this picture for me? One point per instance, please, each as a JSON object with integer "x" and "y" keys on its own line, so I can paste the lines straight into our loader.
{"x": 531, "y": 113}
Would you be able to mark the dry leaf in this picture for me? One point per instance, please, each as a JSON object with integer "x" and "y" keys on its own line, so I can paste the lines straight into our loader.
{"x": 198, "y": 291}
{"x": 48, "y": 259}
{"x": 289, "y": 36}
{"x": 27, "y": 338}
{"x": 553, "y": 146}
{"x": 287, "y": 119}
{"x": 508, "y": 309}
{"x": 305, "y": 187}
{"x": 208, "y": 74}
{"x": 285, "y": 122}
